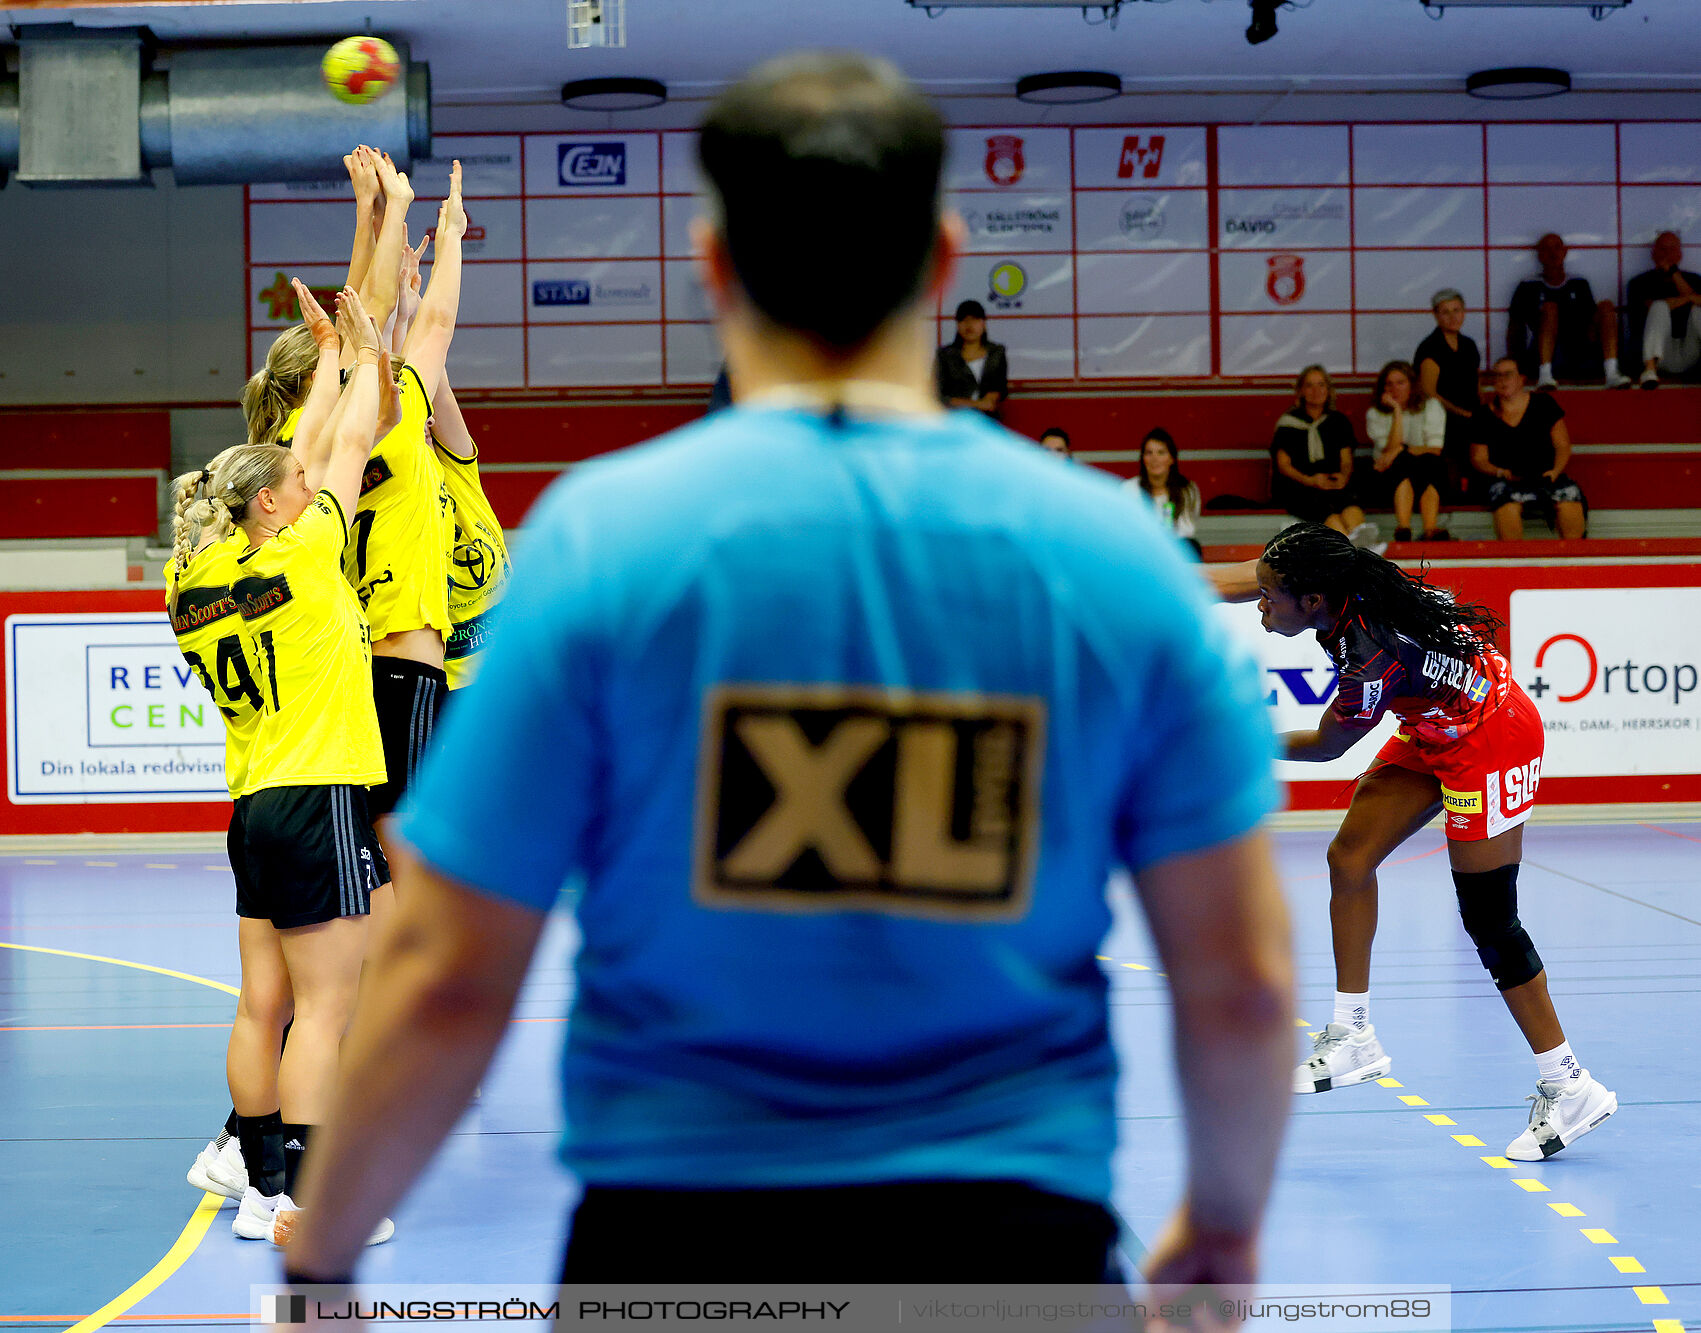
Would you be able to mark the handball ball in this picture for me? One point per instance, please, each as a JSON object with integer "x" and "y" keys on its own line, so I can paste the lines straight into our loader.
{"x": 360, "y": 69}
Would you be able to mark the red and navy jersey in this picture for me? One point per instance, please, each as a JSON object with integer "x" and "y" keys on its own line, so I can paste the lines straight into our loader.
{"x": 1438, "y": 696}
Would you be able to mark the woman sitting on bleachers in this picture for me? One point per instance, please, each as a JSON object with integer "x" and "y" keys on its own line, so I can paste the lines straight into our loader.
{"x": 1521, "y": 442}
{"x": 1312, "y": 459}
{"x": 1407, "y": 431}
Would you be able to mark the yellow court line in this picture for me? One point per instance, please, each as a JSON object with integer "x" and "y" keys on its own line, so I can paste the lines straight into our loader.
{"x": 1138, "y": 967}
{"x": 1441, "y": 1120}
{"x": 1598, "y": 1236}
{"x": 1567, "y": 1210}
{"x": 124, "y": 962}
{"x": 1668, "y": 1326}
{"x": 1389, "y": 1083}
{"x": 1651, "y": 1296}
{"x": 1627, "y": 1263}
{"x": 195, "y": 1230}
{"x": 1501, "y": 1163}
{"x": 1410, "y": 1100}
{"x": 1530, "y": 1185}
{"x": 187, "y": 1240}
{"x": 1468, "y": 1140}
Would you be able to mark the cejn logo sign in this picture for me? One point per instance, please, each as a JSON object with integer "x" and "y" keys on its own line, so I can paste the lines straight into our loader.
{"x": 1284, "y": 278}
{"x": 591, "y": 165}
{"x": 1142, "y": 157}
{"x": 1577, "y": 670}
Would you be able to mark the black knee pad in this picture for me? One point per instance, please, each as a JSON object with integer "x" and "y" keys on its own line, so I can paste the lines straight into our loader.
{"x": 1488, "y": 905}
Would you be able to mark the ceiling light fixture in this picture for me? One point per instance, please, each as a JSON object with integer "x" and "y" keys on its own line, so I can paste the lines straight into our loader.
{"x": 1521, "y": 83}
{"x": 1069, "y": 88}
{"x": 613, "y": 94}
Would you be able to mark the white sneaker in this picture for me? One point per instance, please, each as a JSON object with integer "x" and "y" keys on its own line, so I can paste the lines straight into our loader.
{"x": 1340, "y": 1058}
{"x": 1546, "y": 384}
{"x": 1562, "y": 1114}
{"x": 1650, "y": 379}
{"x": 1366, "y": 534}
{"x": 220, "y": 1171}
{"x": 1619, "y": 381}
{"x": 253, "y": 1221}
{"x": 286, "y": 1215}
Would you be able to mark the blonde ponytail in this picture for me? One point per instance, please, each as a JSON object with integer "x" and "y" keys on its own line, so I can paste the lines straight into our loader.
{"x": 279, "y": 387}
{"x": 187, "y": 522}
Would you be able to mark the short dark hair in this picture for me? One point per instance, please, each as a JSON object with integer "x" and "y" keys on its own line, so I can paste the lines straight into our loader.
{"x": 1057, "y": 431}
{"x": 970, "y": 310}
{"x": 824, "y": 168}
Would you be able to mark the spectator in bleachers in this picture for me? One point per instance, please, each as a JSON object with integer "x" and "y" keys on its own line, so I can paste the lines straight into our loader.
{"x": 1522, "y": 444}
{"x": 1670, "y": 339}
{"x": 1407, "y": 430}
{"x": 1055, "y": 439}
{"x": 1557, "y": 328}
{"x": 973, "y": 370}
{"x": 1448, "y": 365}
{"x": 1162, "y": 482}
{"x": 1312, "y": 459}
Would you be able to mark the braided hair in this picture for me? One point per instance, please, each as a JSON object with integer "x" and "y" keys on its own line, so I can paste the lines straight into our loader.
{"x": 1315, "y": 558}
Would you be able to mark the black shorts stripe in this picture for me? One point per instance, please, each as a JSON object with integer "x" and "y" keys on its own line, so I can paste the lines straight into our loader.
{"x": 340, "y": 841}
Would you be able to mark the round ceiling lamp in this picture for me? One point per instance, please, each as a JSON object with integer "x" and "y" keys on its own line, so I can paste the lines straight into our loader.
{"x": 1521, "y": 83}
{"x": 1071, "y": 88}
{"x": 613, "y": 94}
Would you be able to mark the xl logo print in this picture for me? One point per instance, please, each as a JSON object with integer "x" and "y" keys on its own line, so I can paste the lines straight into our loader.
{"x": 832, "y": 798}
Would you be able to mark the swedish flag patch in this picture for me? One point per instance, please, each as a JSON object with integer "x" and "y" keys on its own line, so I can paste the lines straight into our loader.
{"x": 1478, "y": 689}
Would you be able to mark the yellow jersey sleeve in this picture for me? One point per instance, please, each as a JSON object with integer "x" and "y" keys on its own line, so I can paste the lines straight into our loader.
{"x": 286, "y": 432}
{"x": 323, "y": 528}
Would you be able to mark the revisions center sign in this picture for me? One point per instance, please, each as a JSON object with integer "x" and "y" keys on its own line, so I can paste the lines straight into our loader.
{"x": 1616, "y": 673}
{"x": 101, "y": 707}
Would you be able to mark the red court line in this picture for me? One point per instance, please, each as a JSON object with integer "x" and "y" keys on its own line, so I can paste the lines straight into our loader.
{"x": 1670, "y": 832}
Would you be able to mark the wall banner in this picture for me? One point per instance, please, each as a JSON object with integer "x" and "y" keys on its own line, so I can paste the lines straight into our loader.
{"x": 101, "y": 707}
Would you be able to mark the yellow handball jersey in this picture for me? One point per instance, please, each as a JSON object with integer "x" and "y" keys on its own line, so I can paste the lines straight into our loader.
{"x": 286, "y": 432}
{"x": 398, "y": 547}
{"x": 478, "y": 567}
{"x": 209, "y": 635}
{"x": 311, "y": 657}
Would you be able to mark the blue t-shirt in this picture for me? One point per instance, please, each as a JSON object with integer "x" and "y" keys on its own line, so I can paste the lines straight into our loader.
{"x": 842, "y": 725}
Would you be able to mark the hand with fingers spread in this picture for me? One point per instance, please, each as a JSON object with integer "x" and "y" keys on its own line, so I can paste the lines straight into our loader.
{"x": 397, "y": 190}
{"x": 363, "y": 175}
{"x": 452, "y": 216}
{"x": 356, "y": 326}
{"x": 407, "y": 285}
{"x": 318, "y": 323}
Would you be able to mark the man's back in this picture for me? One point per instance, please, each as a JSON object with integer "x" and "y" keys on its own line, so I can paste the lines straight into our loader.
{"x": 845, "y": 722}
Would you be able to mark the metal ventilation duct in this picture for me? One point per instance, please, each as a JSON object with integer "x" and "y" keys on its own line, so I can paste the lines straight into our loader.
{"x": 225, "y": 115}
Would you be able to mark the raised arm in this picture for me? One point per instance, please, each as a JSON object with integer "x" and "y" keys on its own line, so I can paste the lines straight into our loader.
{"x": 383, "y": 278}
{"x": 356, "y": 421}
{"x": 433, "y": 329}
{"x": 1221, "y": 929}
{"x": 368, "y": 211}
{"x": 407, "y": 300}
{"x": 449, "y": 427}
{"x": 310, "y": 443}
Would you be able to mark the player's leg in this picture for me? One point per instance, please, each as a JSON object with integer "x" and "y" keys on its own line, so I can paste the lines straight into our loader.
{"x": 1390, "y": 804}
{"x": 1509, "y": 521}
{"x": 1403, "y": 510}
{"x": 1569, "y": 520}
{"x": 251, "y": 1058}
{"x": 1485, "y": 844}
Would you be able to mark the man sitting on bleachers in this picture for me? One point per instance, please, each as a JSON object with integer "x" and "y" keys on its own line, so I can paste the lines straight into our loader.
{"x": 1670, "y": 338}
{"x": 1556, "y": 327}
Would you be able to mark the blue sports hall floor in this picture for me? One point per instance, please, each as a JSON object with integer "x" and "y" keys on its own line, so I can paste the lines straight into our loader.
{"x": 112, "y": 1078}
